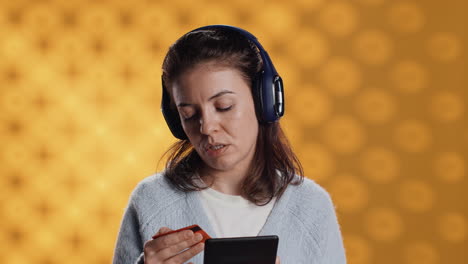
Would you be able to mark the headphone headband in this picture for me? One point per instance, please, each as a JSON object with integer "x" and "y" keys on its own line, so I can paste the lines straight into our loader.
{"x": 263, "y": 53}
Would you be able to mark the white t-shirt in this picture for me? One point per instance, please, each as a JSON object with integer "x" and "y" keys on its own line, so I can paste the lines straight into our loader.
{"x": 233, "y": 215}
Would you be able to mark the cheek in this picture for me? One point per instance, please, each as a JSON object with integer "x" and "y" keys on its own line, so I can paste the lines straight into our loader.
{"x": 243, "y": 122}
{"x": 192, "y": 131}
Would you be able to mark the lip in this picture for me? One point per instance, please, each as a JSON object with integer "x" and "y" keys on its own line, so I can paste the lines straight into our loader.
{"x": 217, "y": 152}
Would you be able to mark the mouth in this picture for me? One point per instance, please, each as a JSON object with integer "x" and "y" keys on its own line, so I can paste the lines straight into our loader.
{"x": 215, "y": 149}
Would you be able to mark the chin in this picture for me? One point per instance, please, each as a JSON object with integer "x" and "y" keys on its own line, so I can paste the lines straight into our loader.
{"x": 220, "y": 165}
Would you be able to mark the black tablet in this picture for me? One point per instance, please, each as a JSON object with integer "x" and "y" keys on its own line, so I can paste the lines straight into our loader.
{"x": 241, "y": 250}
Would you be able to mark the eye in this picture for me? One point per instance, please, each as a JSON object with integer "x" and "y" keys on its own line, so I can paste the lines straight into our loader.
{"x": 189, "y": 118}
{"x": 187, "y": 114}
{"x": 225, "y": 109}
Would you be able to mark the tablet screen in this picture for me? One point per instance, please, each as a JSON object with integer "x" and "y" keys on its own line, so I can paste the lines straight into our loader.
{"x": 241, "y": 250}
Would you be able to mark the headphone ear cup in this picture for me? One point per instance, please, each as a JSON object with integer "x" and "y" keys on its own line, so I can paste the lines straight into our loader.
{"x": 171, "y": 116}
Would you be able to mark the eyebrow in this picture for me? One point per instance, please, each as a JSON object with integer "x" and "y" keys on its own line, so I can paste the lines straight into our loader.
{"x": 223, "y": 92}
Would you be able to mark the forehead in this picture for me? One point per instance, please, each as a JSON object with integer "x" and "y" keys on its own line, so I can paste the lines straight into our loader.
{"x": 207, "y": 79}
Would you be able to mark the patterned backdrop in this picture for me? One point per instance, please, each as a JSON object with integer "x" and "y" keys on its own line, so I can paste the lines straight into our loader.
{"x": 376, "y": 109}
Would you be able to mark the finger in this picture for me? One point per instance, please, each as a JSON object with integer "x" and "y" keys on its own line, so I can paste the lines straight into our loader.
{"x": 172, "y": 239}
{"x": 188, "y": 254}
{"x": 277, "y": 260}
{"x": 150, "y": 243}
{"x": 175, "y": 249}
{"x": 162, "y": 230}
{"x": 150, "y": 246}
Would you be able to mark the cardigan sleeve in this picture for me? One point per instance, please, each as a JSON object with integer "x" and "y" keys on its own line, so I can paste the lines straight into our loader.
{"x": 334, "y": 252}
{"x": 129, "y": 246}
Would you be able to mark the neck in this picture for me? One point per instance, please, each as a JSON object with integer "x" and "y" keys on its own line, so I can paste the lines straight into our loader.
{"x": 228, "y": 182}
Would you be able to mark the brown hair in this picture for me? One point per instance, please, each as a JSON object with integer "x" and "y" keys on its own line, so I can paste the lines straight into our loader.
{"x": 275, "y": 165}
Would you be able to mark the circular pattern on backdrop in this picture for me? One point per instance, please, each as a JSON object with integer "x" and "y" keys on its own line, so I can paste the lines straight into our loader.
{"x": 97, "y": 18}
{"x": 339, "y": 19}
{"x": 312, "y": 106}
{"x": 218, "y": 12}
{"x": 282, "y": 15}
{"x": 421, "y": 252}
{"x": 383, "y": 224}
{"x": 372, "y": 2}
{"x": 452, "y": 227}
{"x": 290, "y": 75}
{"x": 156, "y": 21}
{"x": 413, "y": 136}
{"x": 41, "y": 18}
{"x": 254, "y": 5}
{"x": 306, "y": 56}
{"x": 447, "y": 106}
{"x": 349, "y": 193}
{"x": 13, "y": 127}
{"x": 343, "y": 134}
{"x": 17, "y": 154}
{"x": 415, "y": 195}
{"x": 406, "y": 17}
{"x": 358, "y": 249}
{"x": 449, "y": 167}
{"x": 341, "y": 76}
{"x": 13, "y": 102}
{"x": 375, "y": 106}
{"x": 373, "y": 47}
{"x": 380, "y": 164}
{"x": 409, "y": 76}
{"x": 307, "y": 5}
{"x": 292, "y": 128}
{"x": 14, "y": 46}
{"x": 317, "y": 161}
{"x": 444, "y": 46}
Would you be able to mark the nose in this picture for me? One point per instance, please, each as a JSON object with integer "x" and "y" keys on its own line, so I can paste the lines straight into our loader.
{"x": 208, "y": 124}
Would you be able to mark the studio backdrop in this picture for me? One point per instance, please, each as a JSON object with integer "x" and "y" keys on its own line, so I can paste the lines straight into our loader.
{"x": 376, "y": 109}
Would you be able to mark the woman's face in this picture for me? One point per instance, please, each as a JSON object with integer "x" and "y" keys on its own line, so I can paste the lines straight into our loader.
{"x": 217, "y": 112}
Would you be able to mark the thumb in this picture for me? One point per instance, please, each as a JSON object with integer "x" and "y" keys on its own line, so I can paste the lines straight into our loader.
{"x": 277, "y": 260}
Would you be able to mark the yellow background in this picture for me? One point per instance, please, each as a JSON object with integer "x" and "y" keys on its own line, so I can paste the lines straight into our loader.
{"x": 376, "y": 110}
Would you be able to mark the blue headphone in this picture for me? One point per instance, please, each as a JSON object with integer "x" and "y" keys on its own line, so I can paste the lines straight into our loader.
{"x": 267, "y": 90}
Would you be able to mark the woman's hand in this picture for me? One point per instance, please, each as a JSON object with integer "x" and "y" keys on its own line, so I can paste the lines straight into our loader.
{"x": 277, "y": 260}
{"x": 167, "y": 249}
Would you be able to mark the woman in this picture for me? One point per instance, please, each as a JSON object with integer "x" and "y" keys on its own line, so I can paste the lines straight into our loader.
{"x": 233, "y": 172}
